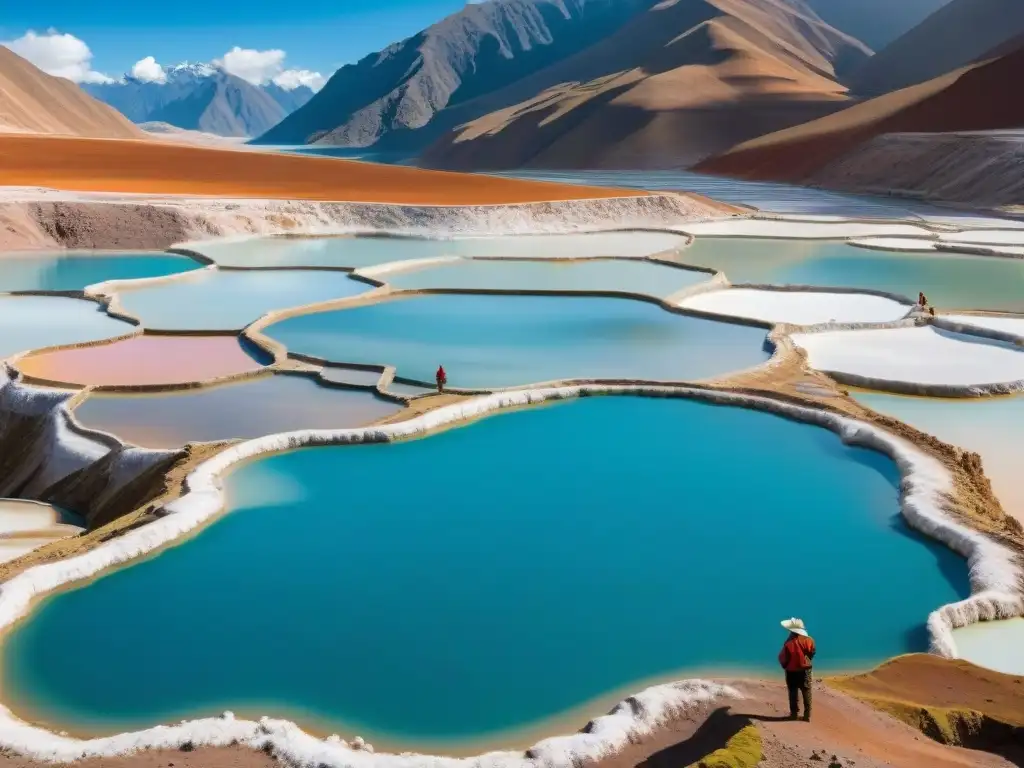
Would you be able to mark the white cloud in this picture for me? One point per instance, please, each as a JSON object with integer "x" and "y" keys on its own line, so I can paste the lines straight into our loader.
{"x": 148, "y": 71}
{"x": 290, "y": 79}
{"x": 61, "y": 55}
{"x": 262, "y": 67}
{"x": 256, "y": 67}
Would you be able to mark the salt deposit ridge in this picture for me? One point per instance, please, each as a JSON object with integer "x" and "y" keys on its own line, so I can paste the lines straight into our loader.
{"x": 828, "y": 324}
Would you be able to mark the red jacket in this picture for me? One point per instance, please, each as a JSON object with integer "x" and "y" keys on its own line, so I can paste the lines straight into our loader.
{"x": 797, "y": 653}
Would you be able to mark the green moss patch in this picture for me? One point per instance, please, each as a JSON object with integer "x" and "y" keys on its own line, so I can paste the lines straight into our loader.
{"x": 741, "y": 751}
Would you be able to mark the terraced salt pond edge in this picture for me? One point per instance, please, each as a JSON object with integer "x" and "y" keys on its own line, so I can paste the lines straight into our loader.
{"x": 239, "y": 409}
{"x": 411, "y": 333}
{"x": 915, "y": 357}
{"x": 995, "y": 578}
{"x": 371, "y": 249}
{"x": 797, "y": 305}
{"x": 51, "y": 322}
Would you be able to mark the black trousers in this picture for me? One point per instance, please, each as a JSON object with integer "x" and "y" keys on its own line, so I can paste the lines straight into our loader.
{"x": 799, "y": 682}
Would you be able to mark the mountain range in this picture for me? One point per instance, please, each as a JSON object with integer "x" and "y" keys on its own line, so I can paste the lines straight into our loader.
{"x": 955, "y": 102}
{"x": 200, "y": 97}
{"x": 506, "y": 54}
{"x": 679, "y": 82}
{"x": 758, "y": 87}
{"x": 396, "y": 94}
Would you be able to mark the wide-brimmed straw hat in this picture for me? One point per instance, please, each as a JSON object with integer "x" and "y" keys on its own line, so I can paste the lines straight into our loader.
{"x": 795, "y": 625}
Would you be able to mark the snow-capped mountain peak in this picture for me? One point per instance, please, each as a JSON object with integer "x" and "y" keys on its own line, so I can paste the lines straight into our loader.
{"x": 189, "y": 69}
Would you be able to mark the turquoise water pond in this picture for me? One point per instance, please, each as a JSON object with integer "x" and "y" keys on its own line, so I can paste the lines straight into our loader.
{"x": 33, "y": 322}
{"x": 363, "y": 251}
{"x": 501, "y": 341}
{"x": 495, "y": 575}
{"x": 214, "y": 300}
{"x": 624, "y": 275}
{"x": 950, "y": 281}
{"x": 73, "y": 271}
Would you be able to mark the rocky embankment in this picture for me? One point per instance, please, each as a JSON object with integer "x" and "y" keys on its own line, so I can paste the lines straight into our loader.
{"x": 45, "y": 455}
{"x": 40, "y": 219}
{"x": 978, "y": 169}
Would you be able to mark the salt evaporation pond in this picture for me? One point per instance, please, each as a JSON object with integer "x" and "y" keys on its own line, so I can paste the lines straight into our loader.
{"x": 950, "y": 281}
{"x": 625, "y": 276}
{"x": 228, "y": 301}
{"x": 997, "y": 645}
{"x": 368, "y": 251}
{"x": 269, "y": 404}
{"x": 33, "y": 322}
{"x": 145, "y": 360}
{"x": 502, "y": 341}
{"x": 979, "y": 424}
{"x": 74, "y": 270}
{"x": 26, "y": 525}
{"x": 421, "y": 591}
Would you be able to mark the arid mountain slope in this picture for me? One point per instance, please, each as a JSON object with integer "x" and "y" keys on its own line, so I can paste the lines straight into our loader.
{"x": 975, "y": 98}
{"x": 475, "y": 51}
{"x": 956, "y": 35}
{"x": 875, "y": 22}
{"x": 32, "y": 101}
{"x": 684, "y": 80}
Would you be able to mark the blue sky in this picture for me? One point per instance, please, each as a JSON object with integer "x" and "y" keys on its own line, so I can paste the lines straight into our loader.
{"x": 322, "y": 36}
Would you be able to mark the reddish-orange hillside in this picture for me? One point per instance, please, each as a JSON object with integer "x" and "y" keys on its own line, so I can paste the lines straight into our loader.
{"x": 99, "y": 165}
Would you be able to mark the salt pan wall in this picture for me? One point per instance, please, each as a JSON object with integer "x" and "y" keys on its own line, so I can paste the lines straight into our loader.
{"x": 106, "y": 221}
{"x": 47, "y": 456}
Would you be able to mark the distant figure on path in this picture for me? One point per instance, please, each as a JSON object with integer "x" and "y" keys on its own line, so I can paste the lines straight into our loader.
{"x": 442, "y": 378}
{"x": 796, "y": 657}
{"x": 922, "y": 299}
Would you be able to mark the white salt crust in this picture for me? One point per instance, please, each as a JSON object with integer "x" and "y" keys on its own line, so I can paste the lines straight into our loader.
{"x": 995, "y": 575}
{"x": 1002, "y": 327}
{"x": 406, "y": 265}
{"x": 63, "y": 446}
{"x": 798, "y": 307}
{"x": 909, "y": 244}
{"x": 927, "y": 359}
{"x": 920, "y": 245}
{"x": 985, "y": 237}
{"x": 782, "y": 227}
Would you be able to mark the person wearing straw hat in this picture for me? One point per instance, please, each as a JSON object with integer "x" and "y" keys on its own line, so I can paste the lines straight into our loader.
{"x": 796, "y": 658}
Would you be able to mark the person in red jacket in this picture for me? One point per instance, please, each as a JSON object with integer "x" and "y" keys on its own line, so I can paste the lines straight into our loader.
{"x": 796, "y": 658}
{"x": 442, "y": 378}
